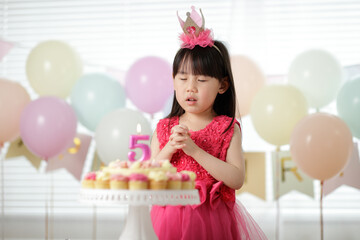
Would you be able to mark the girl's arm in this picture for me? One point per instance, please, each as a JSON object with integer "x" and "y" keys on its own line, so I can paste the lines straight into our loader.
{"x": 231, "y": 172}
{"x": 154, "y": 145}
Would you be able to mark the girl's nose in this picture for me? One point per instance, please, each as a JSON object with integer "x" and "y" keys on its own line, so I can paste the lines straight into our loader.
{"x": 191, "y": 86}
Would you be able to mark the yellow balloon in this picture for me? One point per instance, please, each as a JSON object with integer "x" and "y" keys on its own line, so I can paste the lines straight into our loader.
{"x": 275, "y": 111}
{"x": 52, "y": 68}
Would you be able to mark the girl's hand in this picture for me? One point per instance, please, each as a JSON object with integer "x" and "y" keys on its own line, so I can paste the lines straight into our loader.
{"x": 189, "y": 146}
{"x": 179, "y": 134}
{"x": 180, "y": 139}
{"x": 180, "y": 129}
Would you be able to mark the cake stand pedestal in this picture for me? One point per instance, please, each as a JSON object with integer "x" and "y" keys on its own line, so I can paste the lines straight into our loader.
{"x": 138, "y": 223}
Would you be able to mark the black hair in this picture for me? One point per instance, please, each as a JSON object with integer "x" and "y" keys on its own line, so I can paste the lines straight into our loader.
{"x": 213, "y": 62}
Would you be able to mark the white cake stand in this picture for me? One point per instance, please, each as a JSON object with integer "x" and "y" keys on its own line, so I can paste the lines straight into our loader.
{"x": 138, "y": 224}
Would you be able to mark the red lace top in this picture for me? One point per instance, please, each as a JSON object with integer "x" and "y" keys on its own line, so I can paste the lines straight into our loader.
{"x": 213, "y": 140}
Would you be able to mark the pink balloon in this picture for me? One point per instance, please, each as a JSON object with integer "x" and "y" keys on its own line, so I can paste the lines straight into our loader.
{"x": 248, "y": 79}
{"x": 321, "y": 145}
{"x": 5, "y": 47}
{"x": 47, "y": 126}
{"x": 148, "y": 84}
{"x": 13, "y": 99}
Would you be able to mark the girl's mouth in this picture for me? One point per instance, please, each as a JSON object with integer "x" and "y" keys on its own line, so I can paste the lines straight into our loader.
{"x": 191, "y": 101}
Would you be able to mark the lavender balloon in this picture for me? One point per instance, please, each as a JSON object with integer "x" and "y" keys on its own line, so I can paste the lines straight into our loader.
{"x": 148, "y": 84}
{"x": 47, "y": 126}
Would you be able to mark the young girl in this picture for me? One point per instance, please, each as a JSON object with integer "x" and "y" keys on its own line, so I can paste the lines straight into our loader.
{"x": 202, "y": 135}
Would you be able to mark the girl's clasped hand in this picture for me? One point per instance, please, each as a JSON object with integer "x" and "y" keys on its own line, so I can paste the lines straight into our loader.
{"x": 180, "y": 139}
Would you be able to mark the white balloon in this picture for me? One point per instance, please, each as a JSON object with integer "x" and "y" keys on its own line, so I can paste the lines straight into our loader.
{"x": 318, "y": 75}
{"x": 112, "y": 135}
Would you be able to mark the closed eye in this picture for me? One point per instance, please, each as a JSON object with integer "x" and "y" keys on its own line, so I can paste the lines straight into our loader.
{"x": 201, "y": 80}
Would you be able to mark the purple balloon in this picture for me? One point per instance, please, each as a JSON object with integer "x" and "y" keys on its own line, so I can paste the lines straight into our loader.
{"x": 148, "y": 84}
{"x": 47, "y": 126}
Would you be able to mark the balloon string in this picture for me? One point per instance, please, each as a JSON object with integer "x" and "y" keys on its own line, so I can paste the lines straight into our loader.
{"x": 94, "y": 223}
{"x": 2, "y": 159}
{"x": 48, "y": 209}
{"x": 46, "y": 218}
{"x": 51, "y": 223}
{"x": 321, "y": 210}
{"x": 277, "y": 162}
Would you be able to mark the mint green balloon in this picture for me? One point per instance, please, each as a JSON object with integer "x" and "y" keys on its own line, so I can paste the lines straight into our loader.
{"x": 348, "y": 105}
{"x": 95, "y": 95}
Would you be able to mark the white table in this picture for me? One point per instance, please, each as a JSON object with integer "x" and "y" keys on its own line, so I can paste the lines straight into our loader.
{"x": 138, "y": 224}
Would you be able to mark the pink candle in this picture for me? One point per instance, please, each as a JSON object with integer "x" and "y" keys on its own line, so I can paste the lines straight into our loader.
{"x": 134, "y": 144}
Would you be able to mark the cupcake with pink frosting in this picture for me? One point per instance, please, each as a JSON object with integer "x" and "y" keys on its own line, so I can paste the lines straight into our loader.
{"x": 188, "y": 179}
{"x": 89, "y": 180}
{"x": 138, "y": 181}
{"x": 118, "y": 164}
{"x": 150, "y": 164}
{"x": 174, "y": 180}
{"x": 119, "y": 181}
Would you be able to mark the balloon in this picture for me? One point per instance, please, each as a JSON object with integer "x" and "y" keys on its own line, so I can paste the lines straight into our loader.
{"x": 321, "y": 145}
{"x": 318, "y": 75}
{"x": 5, "y": 48}
{"x": 275, "y": 110}
{"x": 148, "y": 84}
{"x": 112, "y": 135}
{"x": 168, "y": 105}
{"x": 248, "y": 79}
{"x": 348, "y": 105}
{"x": 95, "y": 95}
{"x": 52, "y": 68}
{"x": 47, "y": 126}
{"x": 13, "y": 99}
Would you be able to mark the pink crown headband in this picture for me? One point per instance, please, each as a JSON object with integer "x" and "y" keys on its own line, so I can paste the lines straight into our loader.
{"x": 194, "y": 31}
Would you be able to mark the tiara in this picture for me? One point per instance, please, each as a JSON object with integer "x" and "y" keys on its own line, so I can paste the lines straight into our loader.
{"x": 194, "y": 31}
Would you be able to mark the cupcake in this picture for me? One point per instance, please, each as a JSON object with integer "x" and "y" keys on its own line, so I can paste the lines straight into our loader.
{"x": 135, "y": 165}
{"x": 138, "y": 181}
{"x": 174, "y": 181}
{"x": 188, "y": 179}
{"x": 158, "y": 180}
{"x": 118, "y": 164}
{"x": 165, "y": 164}
{"x": 150, "y": 164}
{"x": 119, "y": 181}
{"x": 89, "y": 180}
{"x": 102, "y": 180}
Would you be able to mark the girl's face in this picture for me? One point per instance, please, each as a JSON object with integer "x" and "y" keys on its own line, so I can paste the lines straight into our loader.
{"x": 197, "y": 93}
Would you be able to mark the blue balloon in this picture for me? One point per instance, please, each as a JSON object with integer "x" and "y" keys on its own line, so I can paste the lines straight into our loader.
{"x": 348, "y": 105}
{"x": 95, "y": 95}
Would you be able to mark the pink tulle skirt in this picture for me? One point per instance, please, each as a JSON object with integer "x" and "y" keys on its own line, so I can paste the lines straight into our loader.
{"x": 204, "y": 221}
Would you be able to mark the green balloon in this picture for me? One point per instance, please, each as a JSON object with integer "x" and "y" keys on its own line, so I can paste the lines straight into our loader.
{"x": 95, "y": 95}
{"x": 348, "y": 105}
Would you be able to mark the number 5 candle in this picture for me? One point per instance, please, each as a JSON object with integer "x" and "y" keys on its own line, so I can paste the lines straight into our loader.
{"x": 134, "y": 144}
